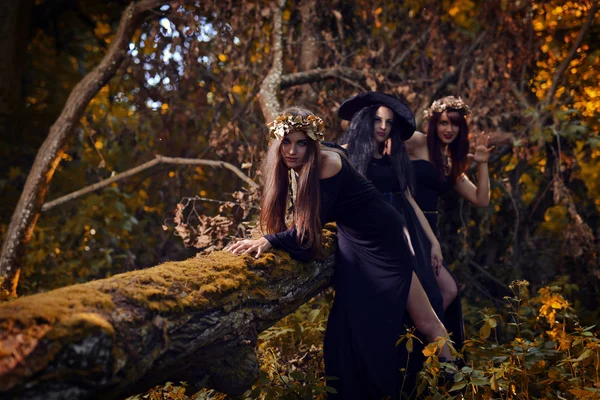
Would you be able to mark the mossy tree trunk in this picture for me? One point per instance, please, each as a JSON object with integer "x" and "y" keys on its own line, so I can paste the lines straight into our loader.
{"x": 194, "y": 320}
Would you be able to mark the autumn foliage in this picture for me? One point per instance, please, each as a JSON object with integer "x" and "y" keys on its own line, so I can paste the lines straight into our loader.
{"x": 187, "y": 87}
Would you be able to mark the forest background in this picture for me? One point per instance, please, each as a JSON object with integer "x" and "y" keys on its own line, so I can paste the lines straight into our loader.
{"x": 198, "y": 80}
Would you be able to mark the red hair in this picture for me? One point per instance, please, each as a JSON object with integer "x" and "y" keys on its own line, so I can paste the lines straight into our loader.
{"x": 459, "y": 148}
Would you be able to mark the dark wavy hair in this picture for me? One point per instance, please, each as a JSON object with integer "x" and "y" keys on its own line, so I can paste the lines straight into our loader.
{"x": 360, "y": 139}
{"x": 459, "y": 148}
{"x": 276, "y": 191}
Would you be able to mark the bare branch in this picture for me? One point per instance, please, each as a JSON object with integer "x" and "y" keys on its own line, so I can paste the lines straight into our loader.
{"x": 565, "y": 62}
{"x": 320, "y": 74}
{"x": 134, "y": 171}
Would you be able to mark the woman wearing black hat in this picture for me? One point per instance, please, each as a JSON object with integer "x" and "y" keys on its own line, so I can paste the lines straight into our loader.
{"x": 375, "y": 119}
{"x": 374, "y": 264}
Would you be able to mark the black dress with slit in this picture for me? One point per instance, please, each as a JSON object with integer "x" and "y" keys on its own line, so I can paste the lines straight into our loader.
{"x": 382, "y": 175}
{"x": 429, "y": 187}
{"x": 372, "y": 278}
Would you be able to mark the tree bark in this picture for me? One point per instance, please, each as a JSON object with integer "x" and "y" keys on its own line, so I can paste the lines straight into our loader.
{"x": 48, "y": 157}
{"x": 267, "y": 95}
{"x": 194, "y": 320}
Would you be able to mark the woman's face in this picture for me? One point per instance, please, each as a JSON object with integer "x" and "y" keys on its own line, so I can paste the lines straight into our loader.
{"x": 383, "y": 124}
{"x": 446, "y": 130}
{"x": 294, "y": 149}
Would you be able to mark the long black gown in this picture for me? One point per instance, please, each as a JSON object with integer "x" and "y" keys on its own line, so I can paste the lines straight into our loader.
{"x": 372, "y": 279}
{"x": 383, "y": 177}
{"x": 428, "y": 189}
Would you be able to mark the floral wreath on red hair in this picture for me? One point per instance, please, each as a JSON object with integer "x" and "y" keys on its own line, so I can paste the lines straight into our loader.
{"x": 446, "y": 103}
{"x": 286, "y": 123}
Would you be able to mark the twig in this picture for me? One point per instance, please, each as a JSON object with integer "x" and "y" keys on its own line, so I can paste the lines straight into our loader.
{"x": 209, "y": 200}
{"x": 488, "y": 275}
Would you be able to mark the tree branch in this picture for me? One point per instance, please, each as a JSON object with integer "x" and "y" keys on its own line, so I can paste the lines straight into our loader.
{"x": 319, "y": 74}
{"x": 157, "y": 161}
{"x": 565, "y": 62}
{"x": 48, "y": 157}
{"x": 267, "y": 96}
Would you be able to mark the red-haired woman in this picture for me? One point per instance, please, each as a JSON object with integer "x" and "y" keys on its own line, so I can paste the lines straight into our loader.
{"x": 439, "y": 161}
{"x": 374, "y": 260}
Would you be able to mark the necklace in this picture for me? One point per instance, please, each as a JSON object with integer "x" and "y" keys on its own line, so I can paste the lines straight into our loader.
{"x": 446, "y": 161}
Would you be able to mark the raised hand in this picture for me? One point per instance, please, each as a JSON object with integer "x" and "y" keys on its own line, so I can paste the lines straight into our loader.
{"x": 481, "y": 154}
{"x": 249, "y": 246}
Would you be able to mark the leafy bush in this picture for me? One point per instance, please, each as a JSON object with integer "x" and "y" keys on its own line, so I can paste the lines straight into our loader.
{"x": 534, "y": 350}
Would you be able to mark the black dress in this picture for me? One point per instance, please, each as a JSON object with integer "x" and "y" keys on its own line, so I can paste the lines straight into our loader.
{"x": 381, "y": 174}
{"x": 372, "y": 279}
{"x": 428, "y": 189}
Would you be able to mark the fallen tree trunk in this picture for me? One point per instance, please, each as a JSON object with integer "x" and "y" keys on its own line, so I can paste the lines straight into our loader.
{"x": 195, "y": 320}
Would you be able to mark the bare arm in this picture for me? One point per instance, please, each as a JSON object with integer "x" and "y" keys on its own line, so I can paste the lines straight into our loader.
{"x": 416, "y": 146}
{"x": 436, "y": 250}
{"x": 478, "y": 195}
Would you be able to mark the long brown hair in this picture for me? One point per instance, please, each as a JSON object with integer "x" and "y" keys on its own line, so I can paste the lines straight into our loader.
{"x": 276, "y": 191}
{"x": 459, "y": 148}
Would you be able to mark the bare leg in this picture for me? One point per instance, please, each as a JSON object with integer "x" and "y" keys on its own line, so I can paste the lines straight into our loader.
{"x": 447, "y": 286}
{"x": 424, "y": 317}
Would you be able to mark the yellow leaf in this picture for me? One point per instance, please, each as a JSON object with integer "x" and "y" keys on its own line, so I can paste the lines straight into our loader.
{"x": 453, "y": 11}
{"x": 430, "y": 350}
{"x": 409, "y": 345}
{"x": 494, "y": 383}
{"x": 485, "y": 331}
{"x": 236, "y": 89}
{"x": 99, "y": 145}
{"x": 223, "y": 57}
{"x": 286, "y": 15}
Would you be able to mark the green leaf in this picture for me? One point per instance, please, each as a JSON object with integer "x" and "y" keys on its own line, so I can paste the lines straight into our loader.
{"x": 458, "y": 386}
{"x": 329, "y": 389}
{"x": 313, "y": 314}
{"x": 480, "y": 381}
{"x": 297, "y": 375}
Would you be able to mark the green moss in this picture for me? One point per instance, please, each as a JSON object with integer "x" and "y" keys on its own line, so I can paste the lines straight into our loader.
{"x": 79, "y": 325}
{"x": 47, "y": 308}
{"x": 170, "y": 287}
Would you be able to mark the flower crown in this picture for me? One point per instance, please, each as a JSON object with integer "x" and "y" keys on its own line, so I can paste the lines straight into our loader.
{"x": 445, "y": 103}
{"x": 286, "y": 123}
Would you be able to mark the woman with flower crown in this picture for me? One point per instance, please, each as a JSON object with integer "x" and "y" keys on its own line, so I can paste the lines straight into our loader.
{"x": 374, "y": 259}
{"x": 439, "y": 162}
